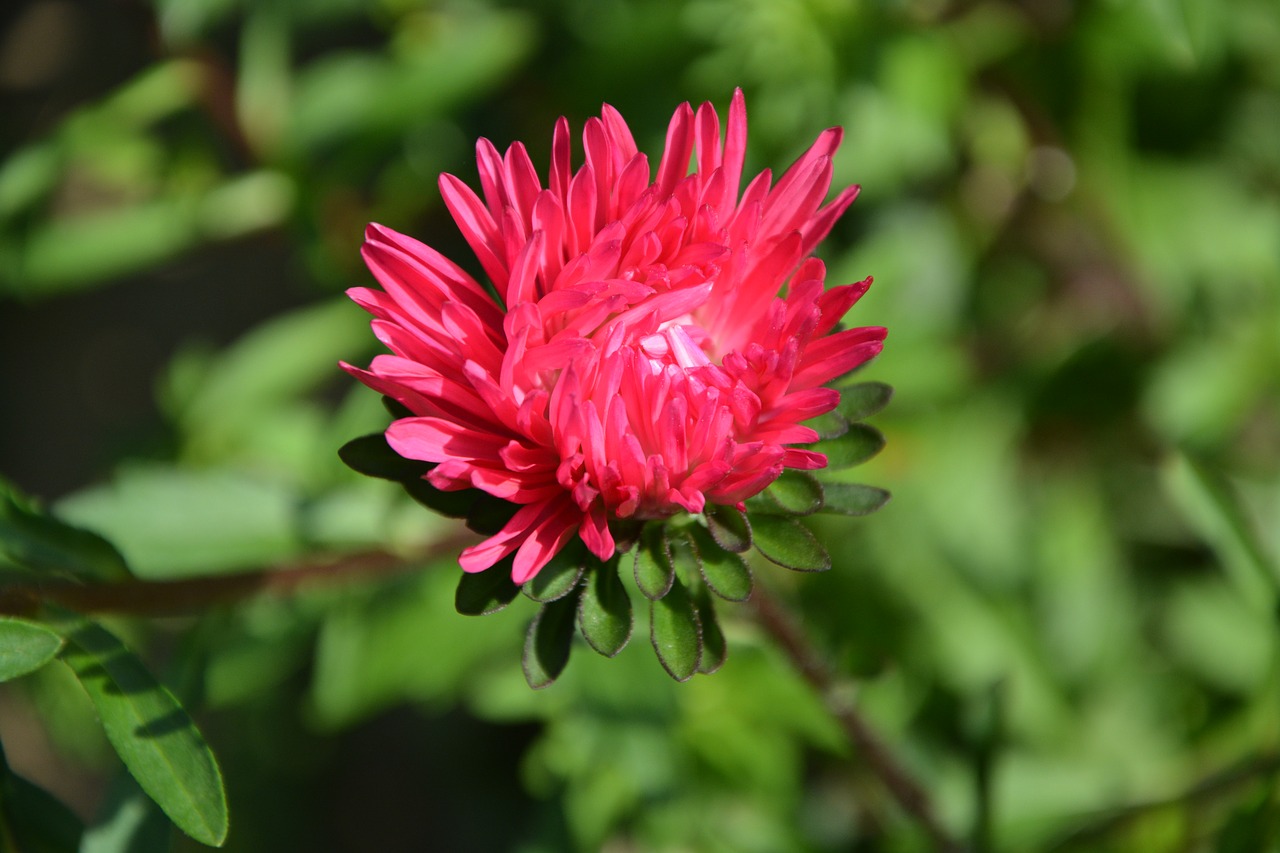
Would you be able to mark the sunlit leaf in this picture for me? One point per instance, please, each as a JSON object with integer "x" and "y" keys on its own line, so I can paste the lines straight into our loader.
{"x": 793, "y": 493}
{"x": 863, "y": 400}
{"x": 725, "y": 572}
{"x": 654, "y": 569}
{"x": 152, "y": 733}
{"x": 856, "y": 446}
{"x": 852, "y": 498}
{"x": 729, "y": 527}
{"x": 25, "y": 647}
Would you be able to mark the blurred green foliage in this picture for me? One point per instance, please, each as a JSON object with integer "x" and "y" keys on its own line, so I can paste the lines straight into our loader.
{"x": 1065, "y": 619}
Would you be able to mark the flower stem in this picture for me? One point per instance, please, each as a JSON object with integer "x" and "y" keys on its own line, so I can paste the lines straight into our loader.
{"x": 910, "y": 795}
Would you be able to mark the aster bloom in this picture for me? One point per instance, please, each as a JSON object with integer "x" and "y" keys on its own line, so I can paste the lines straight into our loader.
{"x": 647, "y": 345}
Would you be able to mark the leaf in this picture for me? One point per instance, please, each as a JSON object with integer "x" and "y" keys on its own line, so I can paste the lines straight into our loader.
{"x": 654, "y": 569}
{"x": 726, "y": 573}
{"x": 729, "y": 527}
{"x": 863, "y": 400}
{"x": 25, "y": 647}
{"x": 33, "y": 819}
{"x": 372, "y": 456}
{"x": 852, "y": 499}
{"x": 604, "y": 613}
{"x": 36, "y": 540}
{"x": 675, "y": 633}
{"x": 856, "y": 446}
{"x": 794, "y": 493}
{"x": 714, "y": 648}
{"x": 482, "y": 593}
{"x": 547, "y": 645}
{"x": 789, "y": 544}
{"x": 830, "y": 425}
{"x": 152, "y": 733}
{"x": 559, "y": 576}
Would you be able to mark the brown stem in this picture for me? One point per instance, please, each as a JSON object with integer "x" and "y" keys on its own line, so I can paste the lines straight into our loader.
{"x": 910, "y": 795}
{"x": 190, "y": 595}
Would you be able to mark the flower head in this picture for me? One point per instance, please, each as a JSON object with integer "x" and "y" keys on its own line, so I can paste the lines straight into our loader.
{"x": 656, "y": 342}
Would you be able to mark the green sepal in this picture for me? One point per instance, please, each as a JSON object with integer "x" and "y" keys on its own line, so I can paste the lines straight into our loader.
{"x": 830, "y": 425}
{"x": 725, "y": 573}
{"x": 856, "y": 446}
{"x": 604, "y": 611}
{"x": 789, "y": 543}
{"x": 152, "y": 733}
{"x": 34, "y": 540}
{"x": 25, "y": 647}
{"x": 547, "y": 644}
{"x": 793, "y": 493}
{"x": 852, "y": 499}
{"x": 729, "y": 527}
{"x": 863, "y": 400}
{"x": 559, "y": 576}
{"x": 675, "y": 633}
{"x": 372, "y": 456}
{"x": 654, "y": 569}
{"x": 482, "y": 593}
{"x": 715, "y": 650}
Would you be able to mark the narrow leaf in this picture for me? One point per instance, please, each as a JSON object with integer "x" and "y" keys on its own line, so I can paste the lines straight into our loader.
{"x": 795, "y": 493}
{"x": 604, "y": 613}
{"x": 25, "y": 647}
{"x": 856, "y": 446}
{"x": 684, "y": 556}
{"x": 36, "y": 540}
{"x": 852, "y": 498}
{"x": 675, "y": 633}
{"x": 830, "y": 425}
{"x": 559, "y": 576}
{"x": 729, "y": 527}
{"x": 482, "y": 593}
{"x": 789, "y": 543}
{"x": 152, "y": 733}
{"x": 654, "y": 569}
{"x": 715, "y": 650}
{"x": 546, "y": 646}
{"x": 726, "y": 573}
{"x": 863, "y": 400}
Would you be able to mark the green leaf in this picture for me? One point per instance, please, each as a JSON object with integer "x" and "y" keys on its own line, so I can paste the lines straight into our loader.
{"x": 795, "y": 493}
{"x": 726, "y": 573}
{"x": 25, "y": 647}
{"x": 152, "y": 733}
{"x": 675, "y": 633}
{"x": 714, "y": 648}
{"x": 852, "y": 498}
{"x": 830, "y": 425}
{"x": 863, "y": 400}
{"x": 856, "y": 446}
{"x": 654, "y": 569}
{"x": 36, "y": 540}
{"x": 559, "y": 576}
{"x": 547, "y": 645}
{"x": 482, "y": 593}
{"x": 789, "y": 543}
{"x": 729, "y": 527}
{"x": 33, "y": 819}
{"x": 372, "y": 456}
{"x": 604, "y": 613}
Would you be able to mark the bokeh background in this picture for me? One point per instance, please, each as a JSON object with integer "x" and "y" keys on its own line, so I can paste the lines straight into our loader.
{"x": 1066, "y": 619}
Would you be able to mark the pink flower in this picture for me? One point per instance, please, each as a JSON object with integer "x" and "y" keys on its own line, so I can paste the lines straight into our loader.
{"x": 639, "y": 361}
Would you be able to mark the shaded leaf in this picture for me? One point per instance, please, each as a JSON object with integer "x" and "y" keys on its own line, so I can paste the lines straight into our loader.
{"x": 604, "y": 613}
{"x": 547, "y": 645}
{"x": 372, "y": 456}
{"x": 675, "y": 633}
{"x": 789, "y": 543}
{"x": 830, "y": 425}
{"x": 153, "y": 734}
{"x": 128, "y": 823}
{"x": 729, "y": 527}
{"x": 37, "y": 540}
{"x": 852, "y": 498}
{"x": 726, "y": 573}
{"x": 714, "y": 648}
{"x": 33, "y": 819}
{"x": 482, "y": 593}
{"x": 856, "y": 446}
{"x": 559, "y": 576}
{"x": 863, "y": 400}
{"x": 25, "y": 647}
{"x": 654, "y": 569}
